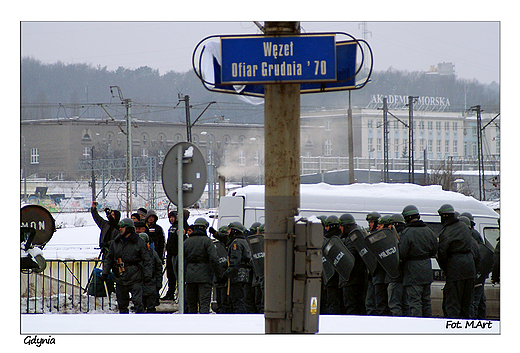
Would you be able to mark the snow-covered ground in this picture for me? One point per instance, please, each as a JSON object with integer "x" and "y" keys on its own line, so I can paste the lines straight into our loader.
{"x": 240, "y": 324}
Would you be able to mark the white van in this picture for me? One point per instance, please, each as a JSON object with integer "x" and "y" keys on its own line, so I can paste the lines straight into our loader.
{"x": 246, "y": 205}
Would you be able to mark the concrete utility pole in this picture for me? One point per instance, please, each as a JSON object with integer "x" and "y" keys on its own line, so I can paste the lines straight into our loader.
{"x": 282, "y": 190}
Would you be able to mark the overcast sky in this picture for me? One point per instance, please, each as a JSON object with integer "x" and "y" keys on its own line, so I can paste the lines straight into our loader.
{"x": 473, "y": 47}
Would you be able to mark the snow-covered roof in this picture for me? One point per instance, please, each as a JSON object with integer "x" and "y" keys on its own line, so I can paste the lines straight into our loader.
{"x": 381, "y": 197}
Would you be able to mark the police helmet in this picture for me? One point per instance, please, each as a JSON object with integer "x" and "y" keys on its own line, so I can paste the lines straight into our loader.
{"x": 201, "y": 222}
{"x": 254, "y": 227}
{"x": 465, "y": 220}
{"x": 373, "y": 217}
{"x": 384, "y": 220}
{"x": 446, "y": 209}
{"x": 467, "y": 214}
{"x": 236, "y": 227}
{"x": 410, "y": 210}
{"x": 145, "y": 237}
{"x": 126, "y": 222}
{"x": 323, "y": 219}
{"x": 397, "y": 218}
{"x": 332, "y": 221}
{"x": 346, "y": 219}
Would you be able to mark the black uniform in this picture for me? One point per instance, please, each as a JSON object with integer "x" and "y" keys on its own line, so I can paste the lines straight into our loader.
{"x": 478, "y": 304}
{"x": 456, "y": 259}
{"x": 334, "y": 295}
{"x": 201, "y": 265}
{"x": 417, "y": 245}
{"x": 172, "y": 251}
{"x": 151, "y": 289}
{"x": 354, "y": 288}
{"x": 238, "y": 271}
{"x": 137, "y": 262}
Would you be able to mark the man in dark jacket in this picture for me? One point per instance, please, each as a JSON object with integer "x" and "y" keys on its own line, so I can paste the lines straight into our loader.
{"x": 457, "y": 261}
{"x": 151, "y": 289}
{"x": 128, "y": 258}
{"x": 354, "y": 288}
{"x": 238, "y": 271}
{"x": 417, "y": 245}
{"x": 156, "y": 233}
{"x": 478, "y": 304}
{"x": 109, "y": 229}
{"x": 334, "y": 294}
{"x": 201, "y": 264}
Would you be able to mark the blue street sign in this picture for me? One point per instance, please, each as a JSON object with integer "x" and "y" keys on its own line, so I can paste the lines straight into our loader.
{"x": 272, "y": 59}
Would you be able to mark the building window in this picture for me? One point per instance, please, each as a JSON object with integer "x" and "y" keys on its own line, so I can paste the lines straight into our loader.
{"x": 327, "y": 148}
{"x": 257, "y": 159}
{"x": 438, "y": 125}
{"x": 430, "y": 146}
{"x": 430, "y": 125}
{"x": 447, "y": 146}
{"x": 396, "y": 125}
{"x": 369, "y": 124}
{"x": 454, "y": 125}
{"x": 225, "y": 157}
{"x": 438, "y": 146}
{"x": 370, "y": 144}
{"x": 455, "y": 147}
{"x": 86, "y": 153}
{"x": 447, "y": 125}
{"x": 379, "y": 144}
{"x": 241, "y": 158}
{"x": 327, "y": 125}
{"x": 35, "y": 156}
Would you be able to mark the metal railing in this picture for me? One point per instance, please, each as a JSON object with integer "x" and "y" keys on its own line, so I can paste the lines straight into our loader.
{"x": 312, "y": 165}
{"x": 63, "y": 287}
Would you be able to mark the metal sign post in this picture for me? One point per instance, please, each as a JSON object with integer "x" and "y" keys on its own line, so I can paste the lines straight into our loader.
{"x": 180, "y": 237}
{"x": 184, "y": 175}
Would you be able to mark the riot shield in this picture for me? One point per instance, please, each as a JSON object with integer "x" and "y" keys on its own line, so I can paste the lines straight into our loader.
{"x": 327, "y": 268}
{"x": 222, "y": 255}
{"x": 339, "y": 256}
{"x": 486, "y": 259}
{"x": 37, "y": 217}
{"x": 357, "y": 237}
{"x": 383, "y": 244}
{"x": 256, "y": 243}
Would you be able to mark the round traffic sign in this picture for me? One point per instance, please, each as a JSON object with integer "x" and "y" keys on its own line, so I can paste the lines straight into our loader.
{"x": 194, "y": 173}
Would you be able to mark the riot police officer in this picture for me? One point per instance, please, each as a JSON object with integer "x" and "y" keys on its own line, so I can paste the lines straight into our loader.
{"x": 131, "y": 262}
{"x": 478, "y": 304}
{"x": 238, "y": 270}
{"x": 201, "y": 264}
{"x": 456, "y": 259}
{"x": 417, "y": 244}
{"x": 375, "y": 304}
{"x": 353, "y": 290}
{"x": 334, "y": 294}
